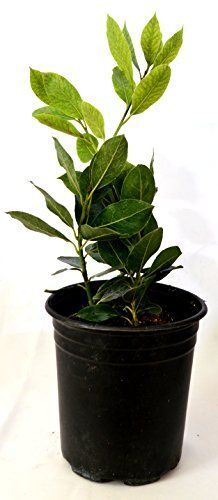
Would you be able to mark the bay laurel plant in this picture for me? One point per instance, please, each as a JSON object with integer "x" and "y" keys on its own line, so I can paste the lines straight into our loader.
{"x": 113, "y": 221}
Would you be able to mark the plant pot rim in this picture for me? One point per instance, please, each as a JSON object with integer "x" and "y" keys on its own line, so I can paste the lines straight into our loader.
{"x": 99, "y": 327}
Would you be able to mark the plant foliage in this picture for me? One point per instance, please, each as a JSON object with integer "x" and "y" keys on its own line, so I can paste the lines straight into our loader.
{"x": 113, "y": 221}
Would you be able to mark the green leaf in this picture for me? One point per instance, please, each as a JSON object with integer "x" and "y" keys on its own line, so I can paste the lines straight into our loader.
{"x": 122, "y": 86}
{"x": 151, "y": 40}
{"x": 61, "y": 271}
{"x": 139, "y": 184}
{"x": 96, "y": 233}
{"x": 112, "y": 290}
{"x": 119, "y": 48}
{"x": 92, "y": 251}
{"x": 57, "y": 91}
{"x": 71, "y": 261}
{"x": 55, "y": 207}
{"x": 35, "y": 224}
{"x": 86, "y": 147}
{"x": 150, "y": 89}
{"x": 48, "y": 110}
{"x": 165, "y": 259}
{"x": 113, "y": 253}
{"x": 144, "y": 249}
{"x": 151, "y": 308}
{"x": 152, "y": 163}
{"x": 96, "y": 314}
{"x": 170, "y": 49}
{"x": 66, "y": 182}
{"x": 52, "y": 119}
{"x": 102, "y": 273}
{"x": 67, "y": 163}
{"x": 93, "y": 119}
{"x": 150, "y": 225}
{"x": 130, "y": 43}
{"x": 109, "y": 162}
{"x": 37, "y": 85}
{"x": 125, "y": 217}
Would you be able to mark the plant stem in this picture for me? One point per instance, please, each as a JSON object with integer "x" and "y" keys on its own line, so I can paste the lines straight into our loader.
{"x": 122, "y": 120}
{"x": 84, "y": 271}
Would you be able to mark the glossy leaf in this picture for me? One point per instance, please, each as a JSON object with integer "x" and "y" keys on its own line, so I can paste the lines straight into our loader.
{"x": 93, "y": 119}
{"x": 122, "y": 86}
{"x": 96, "y": 314}
{"x": 96, "y": 233}
{"x": 46, "y": 116}
{"x": 131, "y": 46}
{"x": 150, "y": 225}
{"x": 151, "y": 40}
{"x": 170, "y": 49}
{"x": 150, "y": 89}
{"x": 55, "y": 207}
{"x": 67, "y": 163}
{"x": 66, "y": 182}
{"x": 112, "y": 290}
{"x": 126, "y": 217}
{"x": 109, "y": 162}
{"x": 144, "y": 249}
{"x": 139, "y": 184}
{"x": 165, "y": 259}
{"x": 35, "y": 224}
{"x": 71, "y": 261}
{"x": 92, "y": 251}
{"x": 102, "y": 273}
{"x": 86, "y": 147}
{"x": 119, "y": 48}
{"x": 151, "y": 308}
{"x": 113, "y": 253}
{"x": 63, "y": 270}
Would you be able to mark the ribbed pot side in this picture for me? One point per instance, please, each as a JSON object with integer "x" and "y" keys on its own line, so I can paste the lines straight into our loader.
{"x": 123, "y": 392}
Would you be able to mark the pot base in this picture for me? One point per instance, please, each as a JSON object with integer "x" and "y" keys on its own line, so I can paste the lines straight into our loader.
{"x": 96, "y": 478}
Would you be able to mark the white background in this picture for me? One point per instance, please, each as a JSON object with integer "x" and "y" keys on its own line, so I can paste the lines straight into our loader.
{"x": 69, "y": 38}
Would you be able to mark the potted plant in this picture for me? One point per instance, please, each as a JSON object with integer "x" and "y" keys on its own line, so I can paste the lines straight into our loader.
{"x": 124, "y": 345}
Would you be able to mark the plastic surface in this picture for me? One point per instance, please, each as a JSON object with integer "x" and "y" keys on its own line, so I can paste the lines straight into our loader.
{"x": 123, "y": 391}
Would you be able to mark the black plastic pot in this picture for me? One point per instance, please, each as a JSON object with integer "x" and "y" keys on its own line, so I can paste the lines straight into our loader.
{"x": 123, "y": 391}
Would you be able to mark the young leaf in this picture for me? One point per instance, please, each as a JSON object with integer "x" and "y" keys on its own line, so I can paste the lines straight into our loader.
{"x": 52, "y": 119}
{"x": 165, "y": 259}
{"x": 36, "y": 224}
{"x": 57, "y": 91}
{"x": 109, "y": 162}
{"x": 119, "y": 48}
{"x": 126, "y": 217}
{"x": 130, "y": 43}
{"x": 144, "y": 249}
{"x": 170, "y": 49}
{"x": 93, "y": 119}
{"x": 55, "y": 207}
{"x": 71, "y": 261}
{"x": 86, "y": 146}
{"x": 139, "y": 184}
{"x": 96, "y": 314}
{"x": 113, "y": 253}
{"x": 150, "y": 89}
{"x": 122, "y": 86}
{"x": 67, "y": 163}
{"x": 112, "y": 290}
{"x": 37, "y": 85}
{"x": 48, "y": 110}
{"x": 151, "y": 40}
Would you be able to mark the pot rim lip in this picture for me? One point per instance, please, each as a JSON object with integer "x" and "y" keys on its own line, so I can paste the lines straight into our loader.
{"x": 98, "y": 327}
